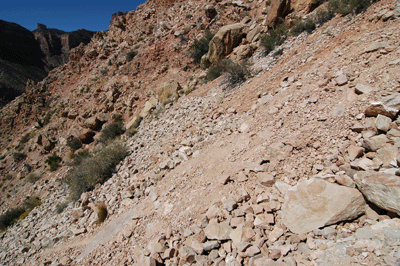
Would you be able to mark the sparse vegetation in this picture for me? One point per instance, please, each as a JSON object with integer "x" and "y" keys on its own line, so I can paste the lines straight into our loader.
{"x": 111, "y": 131}
{"x": 19, "y": 213}
{"x": 200, "y": 47}
{"x": 19, "y": 156}
{"x": 101, "y": 210}
{"x": 303, "y": 25}
{"x": 48, "y": 116}
{"x": 32, "y": 178}
{"x": 10, "y": 217}
{"x": 345, "y": 7}
{"x": 273, "y": 38}
{"x": 236, "y": 73}
{"x": 91, "y": 169}
{"x": 61, "y": 206}
{"x": 53, "y": 161}
{"x": 130, "y": 55}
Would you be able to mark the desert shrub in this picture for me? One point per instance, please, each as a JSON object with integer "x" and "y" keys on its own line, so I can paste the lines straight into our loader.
{"x": 273, "y": 38}
{"x": 200, "y": 47}
{"x": 19, "y": 156}
{"x": 78, "y": 158}
{"x": 74, "y": 143}
{"x": 32, "y": 178}
{"x": 345, "y": 7}
{"x": 53, "y": 161}
{"x": 130, "y": 55}
{"x": 94, "y": 169}
{"x": 303, "y": 25}
{"x": 323, "y": 15}
{"x": 102, "y": 212}
{"x": 60, "y": 207}
{"x": 31, "y": 202}
{"x": 10, "y": 217}
{"x": 236, "y": 73}
{"x": 111, "y": 131}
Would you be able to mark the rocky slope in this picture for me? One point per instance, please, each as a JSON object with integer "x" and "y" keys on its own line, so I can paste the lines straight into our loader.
{"x": 297, "y": 166}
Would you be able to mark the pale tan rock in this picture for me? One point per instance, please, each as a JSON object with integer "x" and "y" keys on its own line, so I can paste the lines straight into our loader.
{"x": 218, "y": 231}
{"x": 266, "y": 179}
{"x": 355, "y": 152}
{"x": 224, "y": 41}
{"x": 243, "y": 233}
{"x": 387, "y": 155}
{"x": 383, "y": 123}
{"x": 376, "y": 142}
{"x": 381, "y": 189}
{"x": 277, "y": 9}
{"x": 316, "y": 203}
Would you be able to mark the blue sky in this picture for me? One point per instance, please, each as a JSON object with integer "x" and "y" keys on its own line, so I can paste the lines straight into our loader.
{"x": 64, "y": 15}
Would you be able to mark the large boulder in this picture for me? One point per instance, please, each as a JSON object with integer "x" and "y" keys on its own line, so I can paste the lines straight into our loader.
{"x": 148, "y": 106}
{"x": 381, "y": 189}
{"x": 304, "y": 6}
{"x": 222, "y": 44}
{"x": 168, "y": 92}
{"x": 277, "y": 10}
{"x": 316, "y": 203}
{"x": 388, "y": 106}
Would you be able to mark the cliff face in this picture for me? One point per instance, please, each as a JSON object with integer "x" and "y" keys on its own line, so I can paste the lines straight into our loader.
{"x": 56, "y": 44}
{"x": 20, "y": 59}
{"x": 28, "y": 55}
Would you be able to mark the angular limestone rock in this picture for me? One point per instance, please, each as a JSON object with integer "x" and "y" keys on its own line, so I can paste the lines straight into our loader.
{"x": 388, "y": 106}
{"x": 316, "y": 203}
{"x": 218, "y": 231}
{"x": 381, "y": 189}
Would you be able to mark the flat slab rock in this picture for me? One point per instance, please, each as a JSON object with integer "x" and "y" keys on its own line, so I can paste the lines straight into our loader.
{"x": 380, "y": 188}
{"x": 316, "y": 203}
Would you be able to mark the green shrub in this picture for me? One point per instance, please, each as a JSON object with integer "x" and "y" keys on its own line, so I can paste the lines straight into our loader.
{"x": 111, "y": 131}
{"x": 31, "y": 202}
{"x": 94, "y": 169}
{"x": 74, "y": 143}
{"x": 236, "y": 73}
{"x": 273, "y": 38}
{"x": 300, "y": 26}
{"x": 200, "y": 47}
{"x": 323, "y": 15}
{"x": 19, "y": 156}
{"x": 61, "y": 206}
{"x": 345, "y": 7}
{"x": 10, "y": 217}
{"x": 53, "y": 161}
